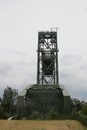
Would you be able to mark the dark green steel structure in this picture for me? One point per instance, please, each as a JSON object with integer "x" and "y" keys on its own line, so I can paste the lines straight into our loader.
{"x": 46, "y": 95}
{"x": 47, "y": 59}
{"x": 44, "y": 99}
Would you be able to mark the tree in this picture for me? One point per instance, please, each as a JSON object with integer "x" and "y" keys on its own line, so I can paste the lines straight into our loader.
{"x": 0, "y": 101}
{"x": 9, "y": 101}
{"x": 84, "y": 109}
{"x": 1, "y": 110}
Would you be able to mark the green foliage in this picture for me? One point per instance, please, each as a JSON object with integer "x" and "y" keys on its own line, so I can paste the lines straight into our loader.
{"x": 52, "y": 115}
{"x": 82, "y": 118}
{"x": 84, "y": 109}
{"x": 82, "y": 114}
{"x": 35, "y": 115}
{"x": 9, "y": 102}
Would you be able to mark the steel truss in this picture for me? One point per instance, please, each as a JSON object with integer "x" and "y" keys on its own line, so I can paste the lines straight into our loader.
{"x": 47, "y": 61}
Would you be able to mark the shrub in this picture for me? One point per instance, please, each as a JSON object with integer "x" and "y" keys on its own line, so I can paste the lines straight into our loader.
{"x": 84, "y": 109}
{"x": 35, "y": 115}
{"x": 82, "y": 118}
{"x": 52, "y": 115}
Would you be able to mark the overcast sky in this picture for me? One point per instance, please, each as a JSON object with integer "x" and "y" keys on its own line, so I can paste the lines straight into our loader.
{"x": 20, "y": 21}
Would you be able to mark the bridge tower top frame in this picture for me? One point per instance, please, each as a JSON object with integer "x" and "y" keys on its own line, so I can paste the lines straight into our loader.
{"x": 47, "y": 57}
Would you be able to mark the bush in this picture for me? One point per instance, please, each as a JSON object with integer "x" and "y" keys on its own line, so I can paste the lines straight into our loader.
{"x": 84, "y": 109}
{"x": 35, "y": 115}
{"x": 52, "y": 115}
{"x": 82, "y": 118}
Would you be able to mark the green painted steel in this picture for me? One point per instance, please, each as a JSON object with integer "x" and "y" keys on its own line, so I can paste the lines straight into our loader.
{"x": 44, "y": 99}
{"x": 47, "y": 95}
{"x": 47, "y": 58}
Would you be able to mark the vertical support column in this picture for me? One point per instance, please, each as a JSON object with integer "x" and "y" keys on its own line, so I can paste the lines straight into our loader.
{"x": 38, "y": 61}
{"x": 57, "y": 76}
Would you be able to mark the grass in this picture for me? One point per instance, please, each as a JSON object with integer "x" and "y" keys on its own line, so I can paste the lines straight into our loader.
{"x": 41, "y": 125}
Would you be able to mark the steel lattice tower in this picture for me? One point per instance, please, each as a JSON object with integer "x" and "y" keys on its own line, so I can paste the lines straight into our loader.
{"x": 47, "y": 58}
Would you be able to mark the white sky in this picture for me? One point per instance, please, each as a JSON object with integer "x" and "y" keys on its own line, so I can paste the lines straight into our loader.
{"x": 20, "y": 21}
